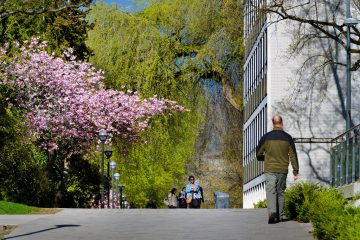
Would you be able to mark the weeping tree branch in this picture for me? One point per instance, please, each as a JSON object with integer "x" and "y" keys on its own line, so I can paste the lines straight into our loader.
{"x": 230, "y": 93}
{"x": 217, "y": 73}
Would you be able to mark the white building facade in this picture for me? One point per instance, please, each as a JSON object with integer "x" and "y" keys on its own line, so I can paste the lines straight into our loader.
{"x": 255, "y": 99}
{"x": 272, "y": 85}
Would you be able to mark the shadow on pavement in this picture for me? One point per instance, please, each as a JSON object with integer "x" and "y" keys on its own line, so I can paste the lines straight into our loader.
{"x": 44, "y": 230}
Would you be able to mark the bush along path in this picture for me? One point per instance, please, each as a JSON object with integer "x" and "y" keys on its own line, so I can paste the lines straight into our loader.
{"x": 331, "y": 215}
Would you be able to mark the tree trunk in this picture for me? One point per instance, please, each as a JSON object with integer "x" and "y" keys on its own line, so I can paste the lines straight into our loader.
{"x": 230, "y": 94}
{"x": 60, "y": 195}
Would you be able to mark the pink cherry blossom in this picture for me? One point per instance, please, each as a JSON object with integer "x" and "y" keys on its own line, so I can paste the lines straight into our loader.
{"x": 66, "y": 101}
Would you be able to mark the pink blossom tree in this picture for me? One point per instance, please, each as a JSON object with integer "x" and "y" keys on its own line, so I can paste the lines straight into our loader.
{"x": 65, "y": 102}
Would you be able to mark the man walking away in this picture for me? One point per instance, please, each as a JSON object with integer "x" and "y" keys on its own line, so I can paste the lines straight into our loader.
{"x": 277, "y": 149}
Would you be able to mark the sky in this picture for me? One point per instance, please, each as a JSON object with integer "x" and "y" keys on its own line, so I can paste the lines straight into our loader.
{"x": 127, "y": 5}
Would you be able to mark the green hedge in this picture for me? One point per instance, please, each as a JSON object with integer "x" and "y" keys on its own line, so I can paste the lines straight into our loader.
{"x": 351, "y": 227}
{"x": 298, "y": 199}
{"x": 261, "y": 204}
{"x": 331, "y": 216}
{"x": 327, "y": 214}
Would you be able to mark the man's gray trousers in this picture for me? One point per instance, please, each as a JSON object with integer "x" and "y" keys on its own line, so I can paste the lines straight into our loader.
{"x": 275, "y": 193}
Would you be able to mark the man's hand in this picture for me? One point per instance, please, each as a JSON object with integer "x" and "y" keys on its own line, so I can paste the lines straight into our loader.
{"x": 296, "y": 177}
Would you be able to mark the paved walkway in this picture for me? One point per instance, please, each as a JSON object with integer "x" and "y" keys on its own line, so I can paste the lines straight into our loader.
{"x": 159, "y": 224}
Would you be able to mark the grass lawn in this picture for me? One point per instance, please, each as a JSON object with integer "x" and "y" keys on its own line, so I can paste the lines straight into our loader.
{"x": 16, "y": 208}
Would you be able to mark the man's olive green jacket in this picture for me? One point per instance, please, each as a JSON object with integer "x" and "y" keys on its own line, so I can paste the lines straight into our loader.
{"x": 277, "y": 149}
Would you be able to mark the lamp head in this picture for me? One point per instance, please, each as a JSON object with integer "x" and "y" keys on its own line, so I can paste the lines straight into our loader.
{"x": 112, "y": 165}
{"x": 108, "y": 152}
{"x": 117, "y": 176}
{"x": 103, "y": 135}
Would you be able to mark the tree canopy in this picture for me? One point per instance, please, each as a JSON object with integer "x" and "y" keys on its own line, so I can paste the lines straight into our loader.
{"x": 171, "y": 49}
{"x": 62, "y": 25}
{"x": 169, "y": 41}
{"x": 11, "y": 7}
{"x": 66, "y": 100}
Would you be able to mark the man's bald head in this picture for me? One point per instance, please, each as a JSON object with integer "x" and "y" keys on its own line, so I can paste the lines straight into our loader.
{"x": 277, "y": 121}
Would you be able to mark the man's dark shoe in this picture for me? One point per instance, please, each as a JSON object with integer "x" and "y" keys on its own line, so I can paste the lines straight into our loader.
{"x": 273, "y": 219}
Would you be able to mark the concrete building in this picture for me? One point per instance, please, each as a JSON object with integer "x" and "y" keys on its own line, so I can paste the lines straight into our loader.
{"x": 277, "y": 81}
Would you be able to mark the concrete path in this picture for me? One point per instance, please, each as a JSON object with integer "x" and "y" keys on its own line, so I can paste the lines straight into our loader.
{"x": 157, "y": 224}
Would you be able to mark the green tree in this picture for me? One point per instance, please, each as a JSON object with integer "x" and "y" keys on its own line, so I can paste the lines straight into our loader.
{"x": 13, "y": 7}
{"x": 23, "y": 167}
{"x": 63, "y": 26}
{"x": 156, "y": 164}
{"x": 167, "y": 42}
{"x": 219, "y": 149}
{"x": 170, "y": 49}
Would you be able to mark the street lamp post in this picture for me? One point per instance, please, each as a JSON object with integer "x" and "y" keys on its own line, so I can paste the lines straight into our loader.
{"x": 121, "y": 187}
{"x": 117, "y": 177}
{"x": 112, "y": 166}
{"x": 349, "y": 22}
{"x": 102, "y": 136}
{"x": 108, "y": 153}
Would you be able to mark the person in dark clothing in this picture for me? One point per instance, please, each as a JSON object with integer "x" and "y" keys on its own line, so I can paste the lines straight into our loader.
{"x": 276, "y": 148}
{"x": 182, "y": 198}
{"x": 202, "y": 194}
{"x": 151, "y": 203}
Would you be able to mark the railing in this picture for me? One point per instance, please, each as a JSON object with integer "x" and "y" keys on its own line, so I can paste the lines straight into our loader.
{"x": 345, "y": 158}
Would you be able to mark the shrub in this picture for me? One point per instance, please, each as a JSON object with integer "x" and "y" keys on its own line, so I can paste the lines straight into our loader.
{"x": 83, "y": 183}
{"x": 23, "y": 177}
{"x": 350, "y": 229}
{"x": 328, "y": 214}
{"x": 261, "y": 204}
{"x": 298, "y": 199}
{"x": 328, "y": 211}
